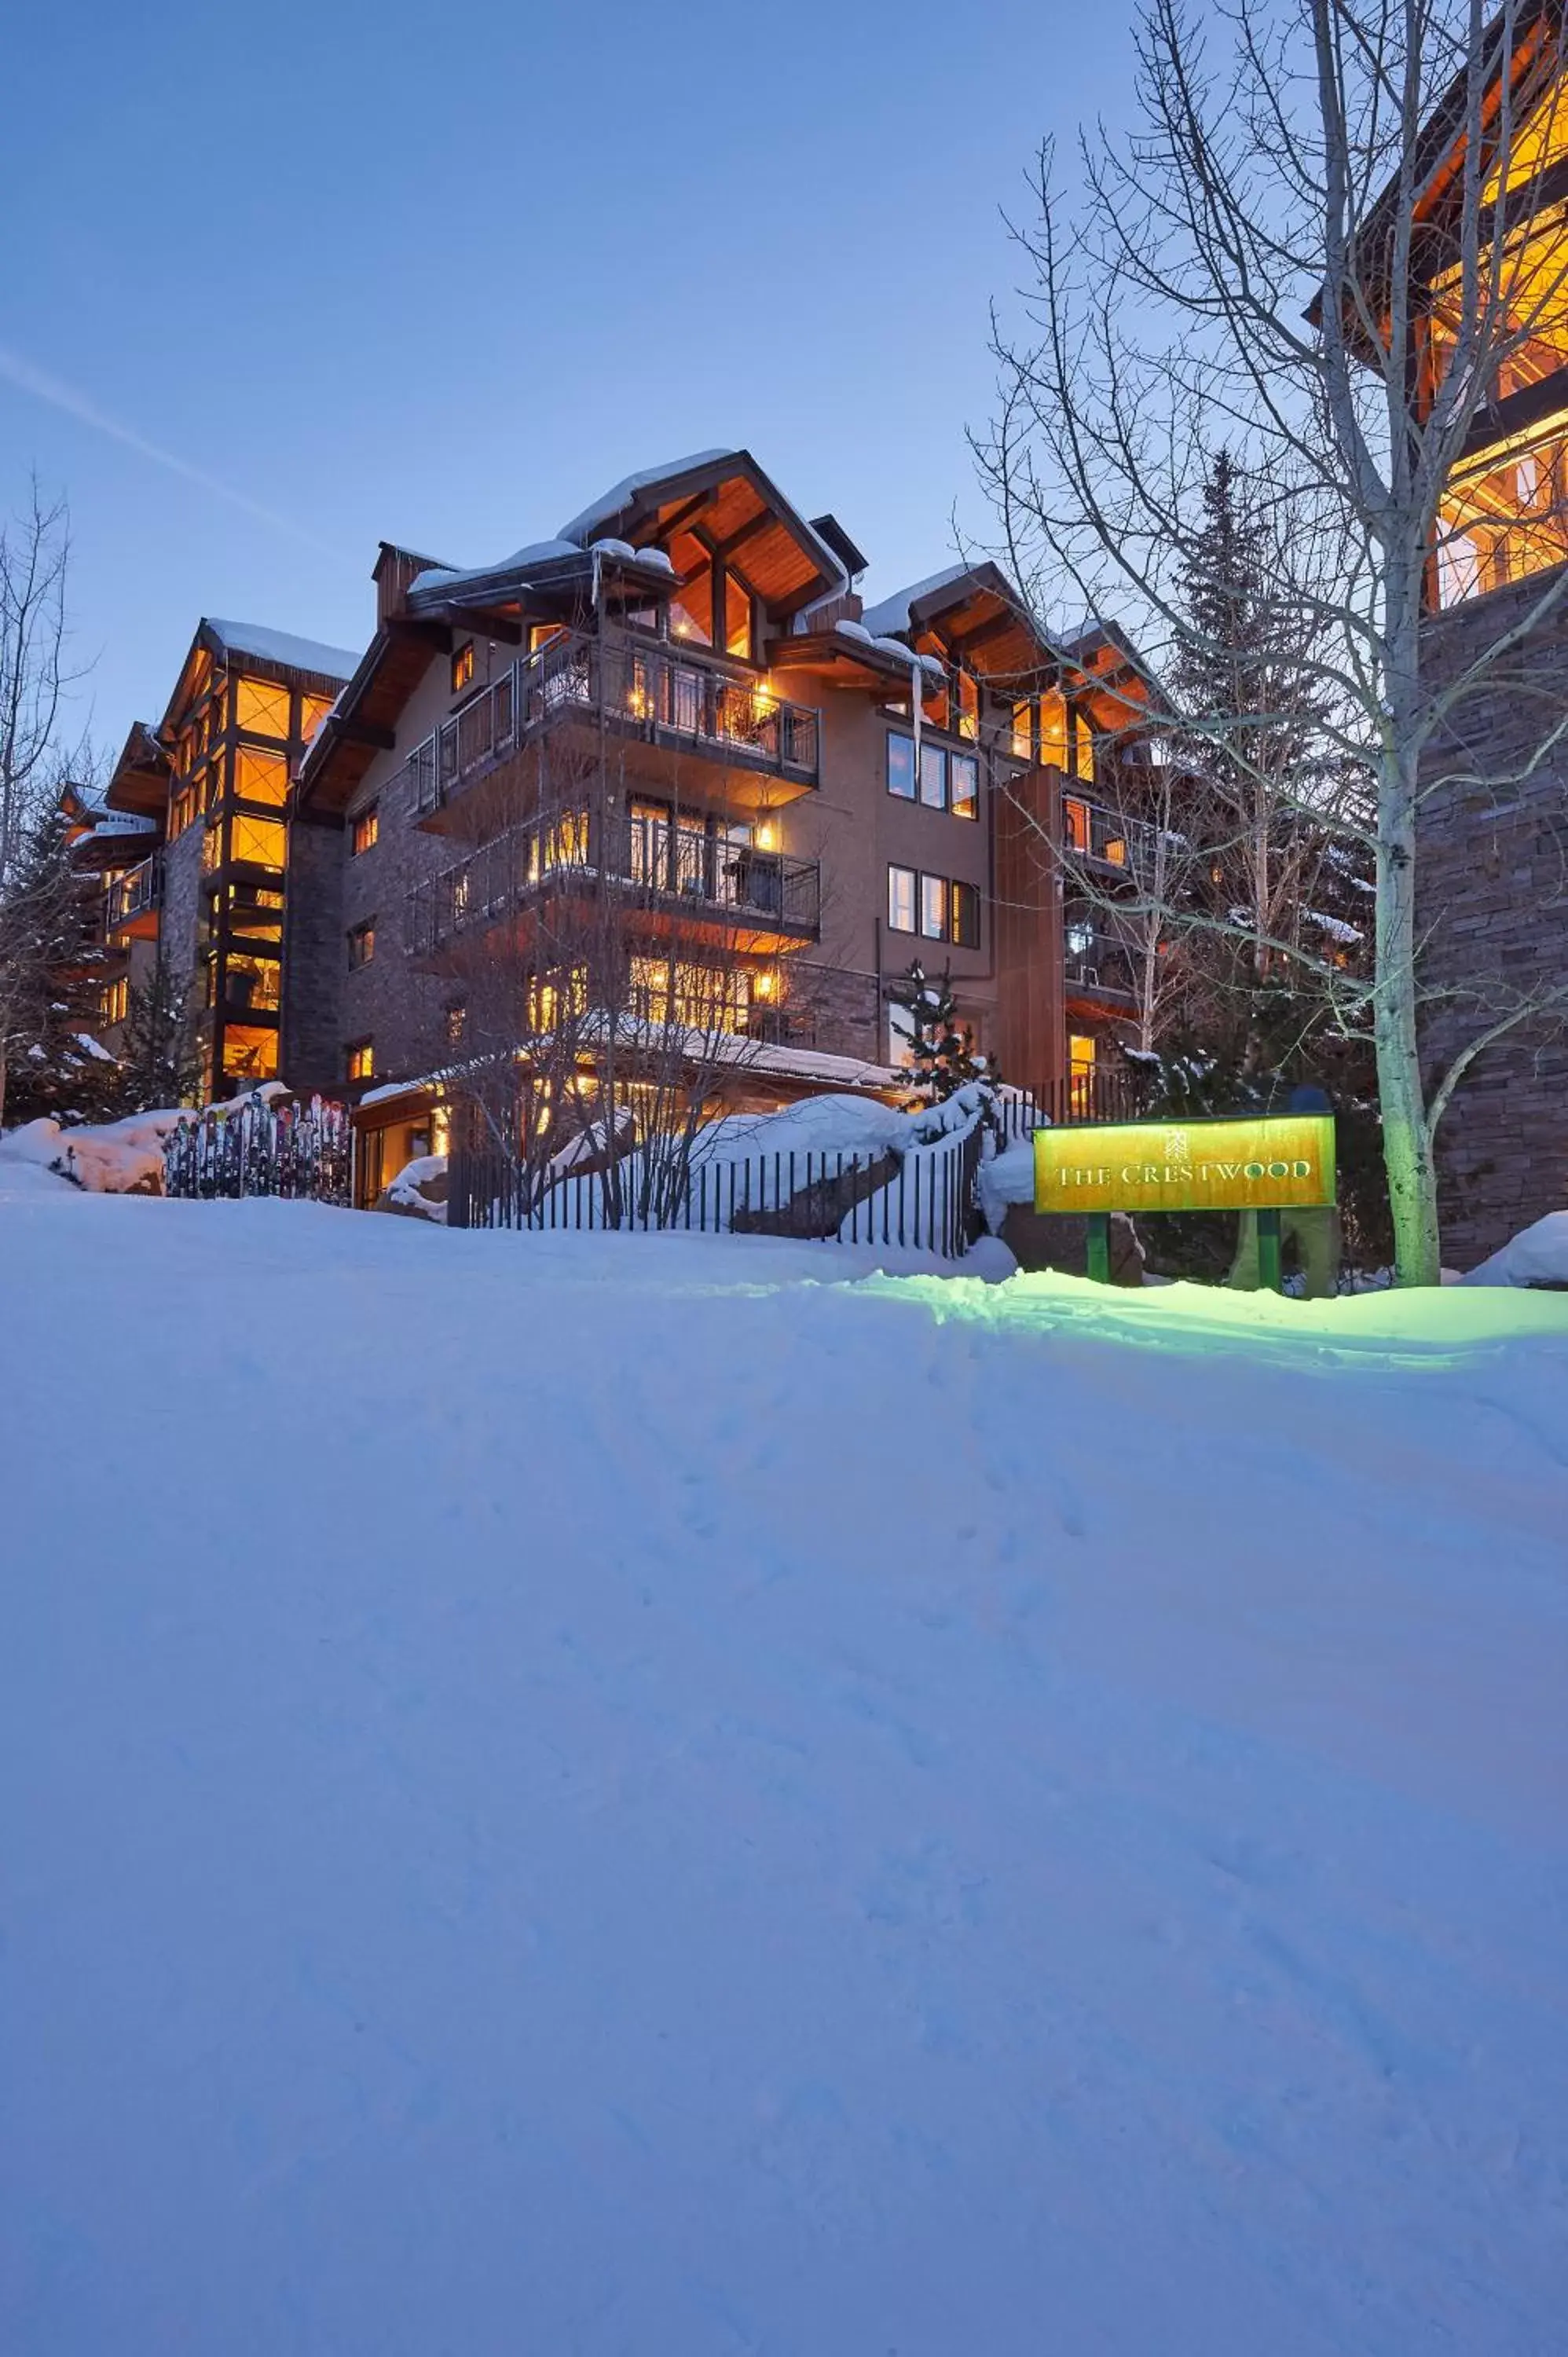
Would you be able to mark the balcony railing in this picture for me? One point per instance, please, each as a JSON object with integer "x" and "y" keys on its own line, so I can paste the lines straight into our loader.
{"x": 648, "y": 862}
{"x": 647, "y": 689}
{"x": 1090, "y": 831}
{"x": 131, "y": 895}
{"x": 1098, "y": 963}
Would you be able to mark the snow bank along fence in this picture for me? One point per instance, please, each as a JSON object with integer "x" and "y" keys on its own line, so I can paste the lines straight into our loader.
{"x": 256, "y": 1148}
{"x": 920, "y": 1201}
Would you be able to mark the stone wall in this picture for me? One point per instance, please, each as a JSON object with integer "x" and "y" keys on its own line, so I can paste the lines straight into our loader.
{"x": 309, "y": 1055}
{"x": 1492, "y": 915}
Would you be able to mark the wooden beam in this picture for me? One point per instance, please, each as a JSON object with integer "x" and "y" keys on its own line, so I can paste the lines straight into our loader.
{"x": 485, "y": 624}
{"x": 682, "y": 517}
{"x": 366, "y": 732}
{"x": 414, "y": 629}
{"x": 998, "y": 627}
{"x": 725, "y": 548}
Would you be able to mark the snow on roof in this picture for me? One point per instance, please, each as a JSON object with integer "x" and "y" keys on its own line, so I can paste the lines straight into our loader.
{"x": 604, "y": 509}
{"x": 283, "y": 647}
{"x": 893, "y": 613}
{"x": 123, "y": 822}
{"x": 537, "y": 552}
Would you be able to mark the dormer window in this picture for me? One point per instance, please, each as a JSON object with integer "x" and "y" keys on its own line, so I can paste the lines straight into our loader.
{"x": 463, "y": 667}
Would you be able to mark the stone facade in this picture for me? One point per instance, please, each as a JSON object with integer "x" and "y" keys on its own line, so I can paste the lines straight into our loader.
{"x": 1492, "y": 917}
{"x": 314, "y": 959}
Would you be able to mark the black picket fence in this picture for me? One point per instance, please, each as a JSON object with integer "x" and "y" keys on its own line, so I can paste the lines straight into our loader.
{"x": 252, "y": 1147}
{"x": 1105, "y": 1093}
{"x": 921, "y": 1200}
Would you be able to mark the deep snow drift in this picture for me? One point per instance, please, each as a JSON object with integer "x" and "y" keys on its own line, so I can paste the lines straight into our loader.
{"x": 637, "y": 1796}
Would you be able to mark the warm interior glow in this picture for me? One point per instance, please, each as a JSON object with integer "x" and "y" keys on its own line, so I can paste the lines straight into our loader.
{"x": 697, "y": 997}
{"x": 257, "y": 839}
{"x": 1053, "y": 729}
{"x": 313, "y": 711}
{"x": 250, "y": 1053}
{"x": 259, "y": 777}
{"x": 362, "y": 1061}
{"x": 1506, "y": 517}
{"x": 767, "y": 835}
{"x": 261, "y": 707}
{"x": 1540, "y": 140}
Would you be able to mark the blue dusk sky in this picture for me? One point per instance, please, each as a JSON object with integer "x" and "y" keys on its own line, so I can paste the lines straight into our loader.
{"x": 281, "y": 283}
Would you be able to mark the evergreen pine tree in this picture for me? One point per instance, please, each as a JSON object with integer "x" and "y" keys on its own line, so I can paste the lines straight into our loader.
{"x": 941, "y": 1049}
{"x": 51, "y": 1059}
{"x": 159, "y": 1065}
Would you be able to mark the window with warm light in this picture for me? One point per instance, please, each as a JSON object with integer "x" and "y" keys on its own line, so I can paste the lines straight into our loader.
{"x": 691, "y": 608}
{"x": 313, "y": 711}
{"x": 259, "y": 840}
{"x": 260, "y": 708}
{"x": 963, "y": 910}
{"x": 456, "y": 1024}
{"x": 251, "y": 981}
{"x": 361, "y": 942}
{"x": 259, "y": 777}
{"x": 364, "y": 829}
{"x": 1081, "y": 1054}
{"x": 934, "y": 908}
{"x": 362, "y": 1061}
{"x": 901, "y": 899}
{"x": 463, "y": 667}
{"x": 737, "y": 618}
{"x": 250, "y": 1053}
{"x": 963, "y": 785}
{"x": 1053, "y": 730}
{"x": 116, "y": 1000}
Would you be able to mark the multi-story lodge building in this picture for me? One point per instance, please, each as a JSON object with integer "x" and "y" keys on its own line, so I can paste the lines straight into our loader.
{"x": 668, "y": 757}
{"x": 679, "y": 703}
{"x": 192, "y": 839}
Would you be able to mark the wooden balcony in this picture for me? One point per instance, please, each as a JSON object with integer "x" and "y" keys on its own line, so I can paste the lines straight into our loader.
{"x": 667, "y": 878}
{"x": 131, "y": 903}
{"x": 654, "y": 695}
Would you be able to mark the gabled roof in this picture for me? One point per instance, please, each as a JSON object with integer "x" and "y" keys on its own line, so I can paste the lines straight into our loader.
{"x": 724, "y": 496}
{"x": 139, "y": 782}
{"x": 975, "y": 612}
{"x": 597, "y": 518}
{"x": 896, "y": 614}
{"x": 721, "y": 497}
{"x": 282, "y": 647}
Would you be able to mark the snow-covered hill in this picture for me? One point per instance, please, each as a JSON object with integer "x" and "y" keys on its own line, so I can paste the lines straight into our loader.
{"x": 639, "y": 1795}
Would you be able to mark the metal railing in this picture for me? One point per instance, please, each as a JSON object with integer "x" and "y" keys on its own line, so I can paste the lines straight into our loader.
{"x": 1090, "y": 831}
{"x": 131, "y": 895}
{"x": 921, "y": 1200}
{"x": 1093, "y": 1092}
{"x": 650, "y": 689}
{"x": 644, "y": 859}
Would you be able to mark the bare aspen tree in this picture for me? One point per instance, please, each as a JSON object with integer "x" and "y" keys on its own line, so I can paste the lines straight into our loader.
{"x": 1262, "y": 263}
{"x": 35, "y": 679}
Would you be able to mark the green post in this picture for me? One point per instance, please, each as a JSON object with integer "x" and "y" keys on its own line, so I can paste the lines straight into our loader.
{"x": 1098, "y": 1260}
{"x": 1270, "y": 1268}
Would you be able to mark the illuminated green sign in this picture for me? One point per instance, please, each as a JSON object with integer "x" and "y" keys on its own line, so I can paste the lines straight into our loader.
{"x": 1265, "y": 1163}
